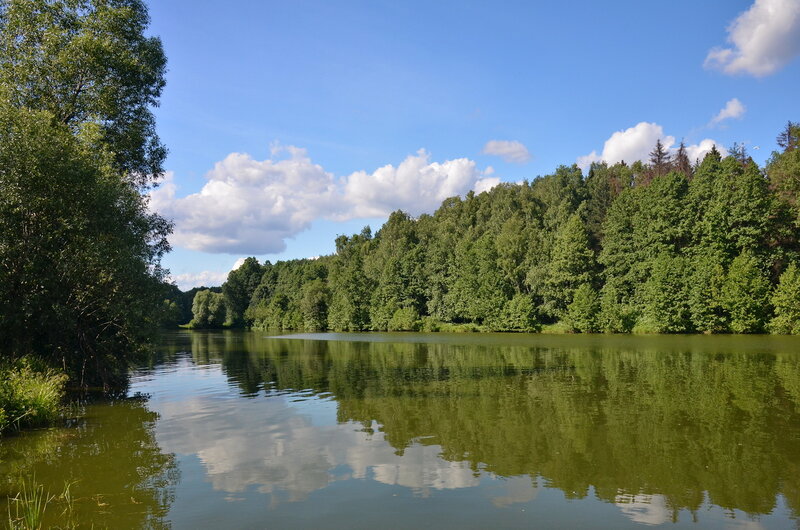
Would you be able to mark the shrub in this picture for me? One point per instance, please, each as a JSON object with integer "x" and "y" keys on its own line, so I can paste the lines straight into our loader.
{"x": 28, "y": 396}
{"x": 405, "y": 319}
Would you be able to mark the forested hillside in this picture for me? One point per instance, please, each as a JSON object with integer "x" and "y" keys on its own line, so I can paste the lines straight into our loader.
{"x": 672, "y": 246}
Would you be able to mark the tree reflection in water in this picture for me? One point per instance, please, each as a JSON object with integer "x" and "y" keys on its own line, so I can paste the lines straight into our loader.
{"x": 652, "y": 426}
{"x": 119, "y": 476}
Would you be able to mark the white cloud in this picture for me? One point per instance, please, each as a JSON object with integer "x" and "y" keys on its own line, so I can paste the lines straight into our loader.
{"x": 764, "y": 38}
{"x": 189, "y": 280}
{"x": 508, "y": 150}
{"x": 636, "y": 143}
{"x": 486, "y": 184}
{"x": 643, "y": 508}
{"x": 733, "y": 109}
{"x": 699, "y": 151}
{"x": 416, "y": 185}
{"x": 250, "y": 206}
{"x": 629, "y": 145}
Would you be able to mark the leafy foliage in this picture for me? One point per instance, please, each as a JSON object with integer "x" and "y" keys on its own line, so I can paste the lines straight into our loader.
{"x": 786, "y": 301}
{"x": 209, "y": 310}
{"x": 81, "y": 285}
{"x": 583, "y": 311}
{"x": 88, "y": 63}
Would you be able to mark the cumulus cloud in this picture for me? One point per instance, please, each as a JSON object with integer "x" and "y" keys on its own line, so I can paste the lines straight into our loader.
{"x": 485, "y": 184}
{"x": 189, "y": 280}
{"x": 763, "y": 39}
{"x": 635, "y": 143}
{"x": 733, "y": 109}
{"x": 508, "y": 150}
{"x": 250, "y": 206}
{"x": 416, "y": 185}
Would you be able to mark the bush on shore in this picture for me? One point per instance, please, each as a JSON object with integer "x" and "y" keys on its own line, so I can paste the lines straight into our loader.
{"x": 29, "y": 395}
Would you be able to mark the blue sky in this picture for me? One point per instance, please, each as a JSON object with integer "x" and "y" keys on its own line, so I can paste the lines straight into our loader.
{"x": 291, "y": 122}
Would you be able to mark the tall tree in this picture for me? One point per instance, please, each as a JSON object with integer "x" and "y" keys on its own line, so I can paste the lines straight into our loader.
{"x": 79, "y": 250}
{"x": 88, "y": 63}
{"x": 660, "y": 159}
{"x": 208, "y": 309}
{"x": 80, "y": 280}
{"x": 571, "y": 265}
{"x": 682, "y": 164}
{"x": 350, "y": 287}
{"x": 746, "y": 295}
{"x": 239, "y": 288}
{"x": 789, "y": 138}
{"x": 786, "y": 300}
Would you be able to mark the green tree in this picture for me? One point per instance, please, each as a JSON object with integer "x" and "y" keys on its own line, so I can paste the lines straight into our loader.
{"x": 314, "y": 305}
{"x": 239, "y": 288}
{"x": 479, "y": 290}
{"x": 80, "y": 281}
{"x": 583, "y": 311}
{"x": 209, "y": 309}
{"x": 519, "y": 314}
{"x": 666, "y": 308}
{"x": 82, "y": 285}
{"x": 350, "y": 287}
{"x": 705, "y": 286}
{"x": 571, "y": 265}
{"x": 88, "y": 63}
{"x": 786, "y": 300}
{"x": 405, "y": 319}
{"x": 746, "y": 295}
{"x": 615, "y": 316}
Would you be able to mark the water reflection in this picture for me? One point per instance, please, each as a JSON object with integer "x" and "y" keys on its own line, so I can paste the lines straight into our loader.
{"x": 654, "y": 428}
{"x": 120, "y": 477}
{"x": 273, "y": 444}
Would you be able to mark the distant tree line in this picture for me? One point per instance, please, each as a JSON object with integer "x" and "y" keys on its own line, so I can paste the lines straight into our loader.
{"x": 668, "y": 246}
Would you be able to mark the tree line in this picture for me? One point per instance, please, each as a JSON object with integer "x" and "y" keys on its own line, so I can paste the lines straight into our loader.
{"x": 664, "y": 246}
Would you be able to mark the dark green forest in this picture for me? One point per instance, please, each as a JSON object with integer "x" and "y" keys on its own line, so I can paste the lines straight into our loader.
{"x": 668, "y": 246}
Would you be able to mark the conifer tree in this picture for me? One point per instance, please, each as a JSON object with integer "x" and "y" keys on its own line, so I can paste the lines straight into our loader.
{"x": 660, "y": 160}
{"x": 745, "y": 295}
{"x": 666, "y": 308}
{"x": 583, "y": 311}
{"x": 682, "y": 164}
{"x": 571, "y": 265}
{"x": 786, "y": 300}
{"x": 705, "y": 286}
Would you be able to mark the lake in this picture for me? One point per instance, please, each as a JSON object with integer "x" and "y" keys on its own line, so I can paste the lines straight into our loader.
{"x": 240, "y": 429}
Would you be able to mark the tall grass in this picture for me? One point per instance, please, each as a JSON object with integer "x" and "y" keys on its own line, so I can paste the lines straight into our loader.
{"x": 27, "y": 509}
{"x": 29, "y": 395}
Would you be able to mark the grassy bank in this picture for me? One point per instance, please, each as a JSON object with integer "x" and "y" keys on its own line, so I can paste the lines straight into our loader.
{"x": 30, "y": 395}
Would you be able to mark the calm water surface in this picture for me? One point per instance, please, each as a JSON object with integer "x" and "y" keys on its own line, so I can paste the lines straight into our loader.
{"x": 241, "y": 430}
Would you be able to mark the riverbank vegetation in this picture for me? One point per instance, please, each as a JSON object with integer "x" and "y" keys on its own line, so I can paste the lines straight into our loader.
{"x": 669, "y": 246}
{"x": 81, "y": 284}
{"x": 29, "y": 395}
